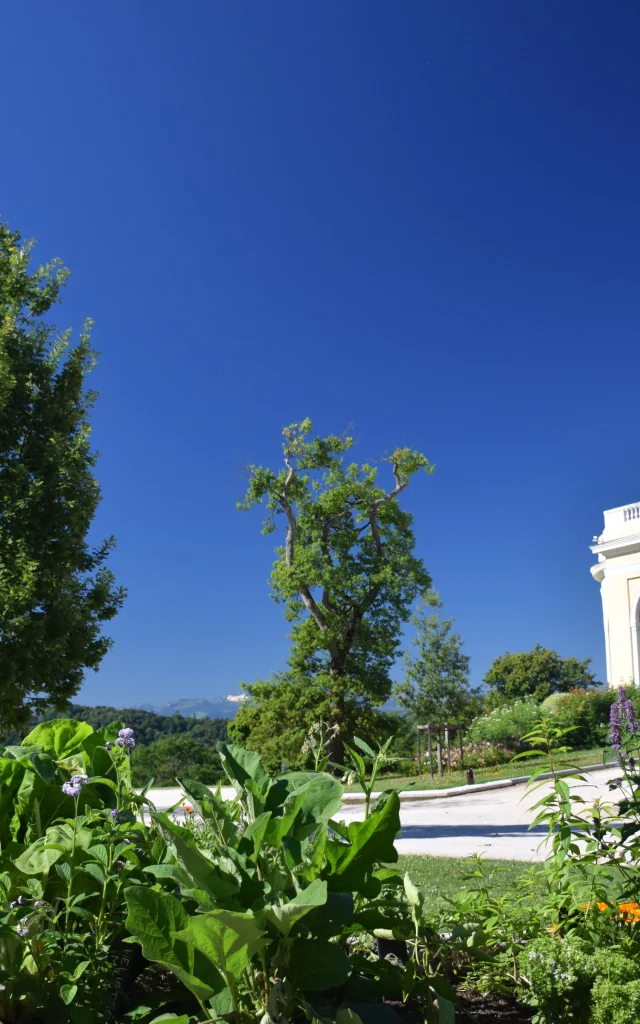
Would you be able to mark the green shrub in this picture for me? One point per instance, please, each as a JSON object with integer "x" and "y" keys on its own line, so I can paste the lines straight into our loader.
{"x": 614, "y": 1003}
{"x": 566, "y": 979}
{"x": 585, "y": 712}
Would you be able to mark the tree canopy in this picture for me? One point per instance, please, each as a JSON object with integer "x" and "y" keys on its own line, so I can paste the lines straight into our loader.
{"x": 55, "y": 590}
{"x": 536, "y": 673}
{"x": 346, "y": 573}
{"x": 176, "y": 757}
{"x": 436, "y": 685}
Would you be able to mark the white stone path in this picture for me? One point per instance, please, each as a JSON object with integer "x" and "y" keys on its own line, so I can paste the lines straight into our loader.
{"x": 492, "y": 822}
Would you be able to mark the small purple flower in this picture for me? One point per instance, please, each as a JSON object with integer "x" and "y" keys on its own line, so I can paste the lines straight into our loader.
{"x": 109, "y": 745}
{"x": 38, "y": 904}
{"x": 125, "y": 739}
{"x": 17, "y": 903}
{"x": 74, "y": 785}
{"x": 23, "y": 928}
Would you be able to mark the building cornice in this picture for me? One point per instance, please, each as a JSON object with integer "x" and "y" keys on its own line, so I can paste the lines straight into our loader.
{"x": 619, "y": 546}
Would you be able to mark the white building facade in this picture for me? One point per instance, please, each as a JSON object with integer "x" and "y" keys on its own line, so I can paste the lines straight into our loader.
{"x": 618, "y": 573}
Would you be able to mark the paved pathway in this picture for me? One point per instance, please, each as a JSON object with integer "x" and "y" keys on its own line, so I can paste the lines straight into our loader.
{"x": 493, "y": 822}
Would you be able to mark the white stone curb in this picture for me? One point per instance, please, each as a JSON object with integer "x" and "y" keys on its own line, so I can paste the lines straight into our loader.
{"x": 417, "y": 795}
{"x": 165, "y": 798}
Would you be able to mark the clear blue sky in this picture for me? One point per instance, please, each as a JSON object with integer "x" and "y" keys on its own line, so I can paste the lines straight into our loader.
{"x": 419, "y": 218}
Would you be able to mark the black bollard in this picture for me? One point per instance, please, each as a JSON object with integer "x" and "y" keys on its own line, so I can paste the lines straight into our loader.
{"x": 470, "y": 779}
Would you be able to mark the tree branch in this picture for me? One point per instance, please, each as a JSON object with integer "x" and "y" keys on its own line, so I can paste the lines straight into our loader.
{"x": 289, "y": 548}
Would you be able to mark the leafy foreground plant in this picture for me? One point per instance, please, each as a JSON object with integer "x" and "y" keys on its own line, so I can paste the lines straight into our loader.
{"x": 276, "y": 906}
{"x": 263, "y": 908}
{"x": 70, "y": 844}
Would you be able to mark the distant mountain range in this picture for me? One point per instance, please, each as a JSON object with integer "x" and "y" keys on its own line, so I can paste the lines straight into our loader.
{"x": 196, "y": 707}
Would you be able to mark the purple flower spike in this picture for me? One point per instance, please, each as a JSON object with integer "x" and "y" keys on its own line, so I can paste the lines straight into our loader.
{"x": 615, "y": 736}
{"x": 627, "y": 710}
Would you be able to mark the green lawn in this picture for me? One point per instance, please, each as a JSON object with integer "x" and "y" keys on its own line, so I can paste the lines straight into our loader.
{"x": 442, "y": 877}
{"x": 507, "y": 771}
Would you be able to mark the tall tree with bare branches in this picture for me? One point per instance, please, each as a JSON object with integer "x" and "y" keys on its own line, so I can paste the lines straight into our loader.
{"x": 346, "y": 573}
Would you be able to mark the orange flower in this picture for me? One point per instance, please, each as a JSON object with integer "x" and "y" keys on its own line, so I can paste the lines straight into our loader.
{"x": 188, "y": 808}
{"x": 629, "y": 912}
{"x": 601, "y": 906}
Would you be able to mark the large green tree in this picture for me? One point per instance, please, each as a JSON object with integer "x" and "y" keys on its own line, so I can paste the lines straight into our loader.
{"x": 436, "y": 686}
{"x": 55, "y": 590}
{"x": 537, "y": 673}
{"x": 346, "y": 574}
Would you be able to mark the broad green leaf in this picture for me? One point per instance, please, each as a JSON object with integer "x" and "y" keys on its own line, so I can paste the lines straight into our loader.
{"x": 347, "y": 1016}
{"x": 226, "y": 938}
{"x": 251, "y": 839}
{"x": 315, "y": 965}
{"x": 39, "y": 857}
{"x": 95, "y": 871}
{"x": 64, "y": 870}
{"x": 101, "y": 780}
{"x": 278, "y": 826}
{"x": 285, "y": 915}
{"x": 222, "y": 1003}
{"x": 321, "y": 798}
{"x": 370, "y": 842}
{"x": 182, "y": 1019}
{"x": 44, "y": 765}
{"x": 203, "y": 872}
{"x": 175, "y": 872}
{"x": 413, "y": 894}
{"x": 44, "y": 852}
{"x": 358, "y": 761}
{"x": 446, "y": 1011}
{"x": 365, "y": 747}
{"x": 374, "y": 1013}
{"x": 97, "y": 740}
{"x": 59, "y": 738}
{"x": 242, "y": 765}
{"x": 80, "y": 969}
{"x": 333, "y": 918}
{"x": 100, "y": 853}
{"x": 154, "y": 919}
{"x": 68, "y": 993}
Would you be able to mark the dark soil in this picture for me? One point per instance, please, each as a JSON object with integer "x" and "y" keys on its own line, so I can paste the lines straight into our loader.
{"x": 475, "y": 1008}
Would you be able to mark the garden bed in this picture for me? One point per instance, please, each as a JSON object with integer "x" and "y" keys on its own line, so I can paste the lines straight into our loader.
{"x": 477, "y": 1008}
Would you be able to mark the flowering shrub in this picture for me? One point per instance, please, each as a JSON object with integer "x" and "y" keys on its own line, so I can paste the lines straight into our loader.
{"x": 507, "y": 724}
{"x": 482, "y": 755}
